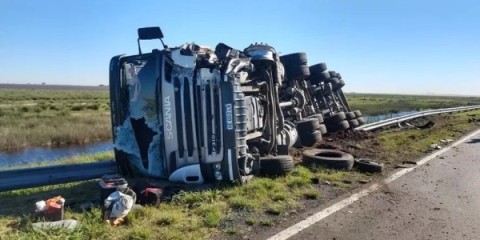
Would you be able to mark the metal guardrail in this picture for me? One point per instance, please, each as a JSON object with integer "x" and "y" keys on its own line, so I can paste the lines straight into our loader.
{"x": 396, "y": 120}
{"x": 41, "y": 176}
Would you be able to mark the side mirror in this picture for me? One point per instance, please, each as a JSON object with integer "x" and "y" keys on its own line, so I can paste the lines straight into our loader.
{"x": 149, "y": 33}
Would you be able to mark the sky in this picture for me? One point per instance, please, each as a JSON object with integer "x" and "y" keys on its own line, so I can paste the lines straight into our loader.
{"x": 398, "y": 46}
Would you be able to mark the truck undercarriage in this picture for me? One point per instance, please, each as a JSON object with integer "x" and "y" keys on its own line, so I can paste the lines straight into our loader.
{"x": 194, "y": 114}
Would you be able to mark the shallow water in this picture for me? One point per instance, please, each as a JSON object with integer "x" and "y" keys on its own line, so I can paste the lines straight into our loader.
{"x": 43, "y": 154}
{"x": 376, "y": 118}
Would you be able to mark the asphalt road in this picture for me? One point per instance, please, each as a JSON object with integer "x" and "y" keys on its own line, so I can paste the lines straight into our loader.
{"x": 438, "y": 200}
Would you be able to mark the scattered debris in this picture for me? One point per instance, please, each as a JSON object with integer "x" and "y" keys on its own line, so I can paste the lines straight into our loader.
{"x": 347, "y": 181}
{"x": 327, "y": 182}
{"x": 364, "y": 181}
{"x": 67, "y": 224}
{"x": 446, "y": 141}
{"x": 404, "y": 166}
{"x": 410, "y": 162}
{"x": 116, "y": 207}
{"x": 51, "y": 209}
{"x": 435, "y": 146}
{"x": 427, "y": 125}
{"x": 315, "y": 180}
{"x": 367, "y": 165}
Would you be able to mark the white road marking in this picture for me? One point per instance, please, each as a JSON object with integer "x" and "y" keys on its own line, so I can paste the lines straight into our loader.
{"x": 298, "y": 227}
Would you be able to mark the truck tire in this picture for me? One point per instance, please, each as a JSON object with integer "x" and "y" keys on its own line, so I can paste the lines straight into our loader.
{"x": 323, "y": 128}
{"x": 353, "y": 123}
{"x": 317, "y": 69}
{"x": 361, "y": 121}
{"x": 309, "y": 139}
{"x": 276, "y": 165}
{"x": 367, "y": 165}
{"x": 333, "y": 74}
{"x": 339, "y": 126}
{"x": 317, "y": 78}
{"x": 337, "y": 84}
{"x": 329, "y": 158}
{"x": 339, "y": 76}
{"x": 350, "y": 115}
{"x": 294, "y": 59}
{"x": 318, "y": 116}
{"x": 337, "y": 117}
{"x": 297, "y": 72}
{"x": 357, "y": 113}
{"x": 307, "y": 125}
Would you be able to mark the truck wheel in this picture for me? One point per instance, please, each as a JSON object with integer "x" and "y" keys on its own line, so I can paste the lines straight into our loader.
{"x": 307, "y": 125}
{"x": 333, "y": 74}
{"x": 276, "y": 165}
{"x": 309, "y": 139}
{"x": 342, "y": 125}
{"x": 294, "y": 59}
{"x": 297, "y": 72}
{"x": 318, "y": 116}
{"x": 329, "y": 158}
{"x": 337, "y": 117}
{"x": 350, "y": 115}
{"x": 367, "y": 165}
{"x": 317, "y": 78}
{"x": 353, "y": 123}
{"x": 339, "y": 85}
{"x": 361, "y": 121}
{"x": 322, "y": 128}
{"x": 357, "y": 113}
{"x": 317, "y": 69}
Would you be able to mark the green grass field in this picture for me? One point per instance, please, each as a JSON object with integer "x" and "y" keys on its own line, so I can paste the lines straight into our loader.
{"x": 53, "y": 117}
{"x": 30, "y": 117}
{"x": 225, "y": 210}
{"x": 375, "y": 104}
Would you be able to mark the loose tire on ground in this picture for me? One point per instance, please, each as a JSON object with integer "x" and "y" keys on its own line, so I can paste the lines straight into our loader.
{"x": 276, "y": 165}
{"x": 329, "y": 158}
{"x": 367, "y": 165}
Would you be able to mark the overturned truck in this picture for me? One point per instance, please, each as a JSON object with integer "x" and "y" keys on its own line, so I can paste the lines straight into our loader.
{"x": 194, "y": 114}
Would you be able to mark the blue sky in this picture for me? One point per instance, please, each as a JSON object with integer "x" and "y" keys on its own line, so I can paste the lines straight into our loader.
{"x": 408, "y": 46}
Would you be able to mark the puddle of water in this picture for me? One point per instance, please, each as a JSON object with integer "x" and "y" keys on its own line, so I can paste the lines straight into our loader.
{"x": 33, "y": 155}
{"x": 376, "y": 118}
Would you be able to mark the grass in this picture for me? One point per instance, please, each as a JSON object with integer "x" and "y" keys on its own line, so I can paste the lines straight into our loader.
{"x": 218, "y": 210}
{"x": 375, "y": 104}
{"x": 52, "y": 118}
{"x": 188, "y": 215}
{"x": 393, "y": 143}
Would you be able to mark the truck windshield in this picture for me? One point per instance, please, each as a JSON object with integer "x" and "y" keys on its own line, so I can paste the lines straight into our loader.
{"x": 139, "y": 135}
